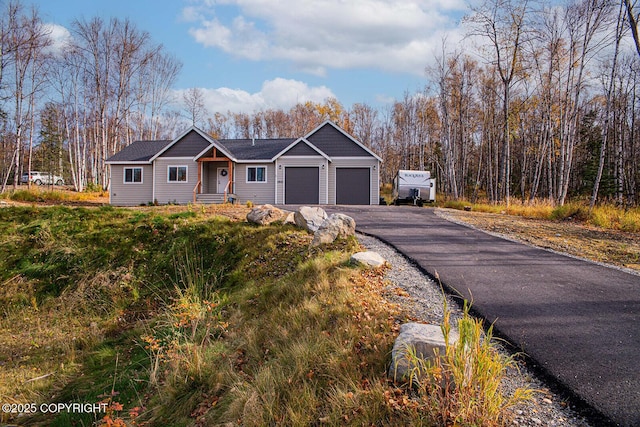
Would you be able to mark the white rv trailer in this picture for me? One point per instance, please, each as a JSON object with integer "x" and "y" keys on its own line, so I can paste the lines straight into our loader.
{"x": 415, "y": 187}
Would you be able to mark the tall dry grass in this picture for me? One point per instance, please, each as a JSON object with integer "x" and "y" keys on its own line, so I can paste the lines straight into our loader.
{"x": 303, "y": 347}
{"x": 464, "y": 386}
{"x": 48, "y": 195}
{"x": 605, "y": 216}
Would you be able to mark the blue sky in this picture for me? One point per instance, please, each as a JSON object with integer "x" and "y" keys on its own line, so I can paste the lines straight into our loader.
{"x": 257, "y": 54}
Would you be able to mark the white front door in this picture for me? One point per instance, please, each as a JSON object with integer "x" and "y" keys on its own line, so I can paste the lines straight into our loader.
{"x": 223, "y": 179}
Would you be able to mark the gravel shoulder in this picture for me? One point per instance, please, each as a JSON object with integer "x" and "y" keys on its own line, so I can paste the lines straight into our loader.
{"x": 423, "y": 299}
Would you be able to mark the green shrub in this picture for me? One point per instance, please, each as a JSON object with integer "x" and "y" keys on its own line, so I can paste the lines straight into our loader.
{"x": 25, "y": 196}
{"x": 630, "y": 221}
{"x": 92, "y": 187}
{"x": 573, "y": 211}
{"x": 185, "y": 214}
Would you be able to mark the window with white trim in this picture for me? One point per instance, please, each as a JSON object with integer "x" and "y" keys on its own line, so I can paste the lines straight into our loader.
{"x": 177, "y": 173}
{"x": 256, "y": 174}
{"x": 133, "y": 175}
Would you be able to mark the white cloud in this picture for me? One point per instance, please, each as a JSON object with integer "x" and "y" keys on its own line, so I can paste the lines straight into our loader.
{"x": 392, "y": 35}
{"x": 190, "y": 14}
{"x": 274, "y": 94}
{"x": 59, "y": 35}
{"x": 241, "y": 37}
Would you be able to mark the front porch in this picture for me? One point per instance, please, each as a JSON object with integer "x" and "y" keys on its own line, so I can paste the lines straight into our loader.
{"x": 215, "y": 179}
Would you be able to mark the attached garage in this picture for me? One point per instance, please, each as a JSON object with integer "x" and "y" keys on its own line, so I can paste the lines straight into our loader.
{"x": 353, "y": 186}
{"x": 302, "y": 185}
{"x": 326, "y": 166}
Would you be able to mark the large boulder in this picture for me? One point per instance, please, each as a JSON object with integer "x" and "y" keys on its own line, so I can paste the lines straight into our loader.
{"x": 265, "y": 214}
{"x": 335, "y": 226}
{"x": 368, "y": 259}
{"x": 290, "y": 218}
{"x": 309, "y": 218}
{"x": 419, "y": 340}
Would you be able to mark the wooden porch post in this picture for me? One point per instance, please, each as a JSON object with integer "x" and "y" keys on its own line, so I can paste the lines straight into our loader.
{"x": 198, "y": 188}
{"x": 230, "y": 166}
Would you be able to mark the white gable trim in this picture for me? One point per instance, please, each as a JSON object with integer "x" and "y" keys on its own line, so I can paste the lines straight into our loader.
{"x": 217, "y": 147}
{"x": 172, "y": 143}
{"x": 129, "y": 162}
{"x": 353, "y": 158}
{"x": 254, "y": 161}
{"x": 296, "y": 142}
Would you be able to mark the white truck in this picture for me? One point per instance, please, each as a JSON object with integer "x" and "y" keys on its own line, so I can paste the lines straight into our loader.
{"x": 41, "y": 178}
{"x": 414, "y": 187}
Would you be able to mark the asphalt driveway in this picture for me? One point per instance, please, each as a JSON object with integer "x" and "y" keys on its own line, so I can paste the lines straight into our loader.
{"x": 579, "y": 321}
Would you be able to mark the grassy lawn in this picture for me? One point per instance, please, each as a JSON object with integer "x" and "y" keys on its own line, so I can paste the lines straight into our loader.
{"x": 188, "y": 316}
{"x": 184, "y": 316}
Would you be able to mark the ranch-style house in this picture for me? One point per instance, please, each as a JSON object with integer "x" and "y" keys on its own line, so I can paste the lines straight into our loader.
{"x": 326, "y": 166}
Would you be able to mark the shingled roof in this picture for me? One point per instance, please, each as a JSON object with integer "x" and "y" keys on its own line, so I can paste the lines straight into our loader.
{"x": 138, "y": 151}
{"x": 258, "y": 149}
{"x": 326, "y": 140}
{"x": 240, "y": 149}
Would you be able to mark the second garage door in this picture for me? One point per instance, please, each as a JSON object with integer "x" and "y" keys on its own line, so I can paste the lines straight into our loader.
{"x": 353, "y": 186}
{"x": 302, "y": 185}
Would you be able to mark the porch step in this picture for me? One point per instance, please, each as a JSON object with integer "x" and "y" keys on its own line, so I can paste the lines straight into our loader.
{"x": 212, "y": 199}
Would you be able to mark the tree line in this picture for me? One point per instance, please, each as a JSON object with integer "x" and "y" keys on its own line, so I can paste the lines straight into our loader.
{"x": 544, "y": 107}
{"x": 67, "y": 108}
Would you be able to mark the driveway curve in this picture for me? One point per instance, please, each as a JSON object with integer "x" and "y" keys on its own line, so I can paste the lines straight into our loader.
{"x": 578, "y": 321}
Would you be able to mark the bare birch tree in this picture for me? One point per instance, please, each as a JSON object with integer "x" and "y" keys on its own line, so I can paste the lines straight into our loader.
{"x": 503, "y": 23}
{"x": 609, "y": 88}
{"x": 25, "y": 38}
{"x": 633, "y": 17}
{"x": 193, "y": 100}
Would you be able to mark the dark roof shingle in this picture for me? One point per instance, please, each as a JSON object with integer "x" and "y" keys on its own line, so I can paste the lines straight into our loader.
{"x": 258, "y": 149}
{"x": 138, "y": 151}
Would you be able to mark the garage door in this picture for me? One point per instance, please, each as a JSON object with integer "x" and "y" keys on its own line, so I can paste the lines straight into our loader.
{"x": 301, "y": 186}
{"x": 353, "y": 186}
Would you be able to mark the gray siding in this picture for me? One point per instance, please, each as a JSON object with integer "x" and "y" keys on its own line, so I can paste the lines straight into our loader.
{"x": 370, "y": 162}
{"x": 131, "y": 194}
{"x": 209, "y": 181}
{"x": 210, "y": 176}
{"x": 317, "y": 161}
{"x": 175, "y": 192}
{"x": 190, "y": 145}
{"x": 258, "y": 192}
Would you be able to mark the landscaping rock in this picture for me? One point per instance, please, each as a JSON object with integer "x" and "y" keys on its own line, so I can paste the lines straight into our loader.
{"x": 425, "y": 339}
{"x": 335, "y": 226}
{"x": 290, "y": 219}
{"x": 310, "y": 218}
{"x": 265, "y": 214}
{"x": 368, "y": 259}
